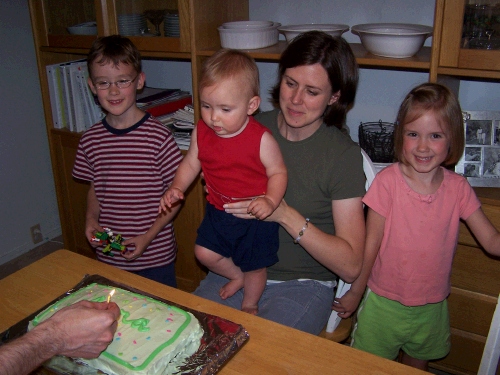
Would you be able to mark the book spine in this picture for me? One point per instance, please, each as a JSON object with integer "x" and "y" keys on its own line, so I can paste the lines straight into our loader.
{"x": 169, "y": 107}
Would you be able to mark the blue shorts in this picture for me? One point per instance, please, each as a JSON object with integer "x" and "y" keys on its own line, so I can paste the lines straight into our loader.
{"x": 385, "y": 326}
{"x": 251, "y": 244}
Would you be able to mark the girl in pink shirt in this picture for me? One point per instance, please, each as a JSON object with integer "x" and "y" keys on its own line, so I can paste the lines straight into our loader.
{"x": 414, "y": 211}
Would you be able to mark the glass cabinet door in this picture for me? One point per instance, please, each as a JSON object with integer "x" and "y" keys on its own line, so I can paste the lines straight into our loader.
{"x": 66, "y": 23}
{"x": 471, "y": 35}
{"x": 154, "y": 25}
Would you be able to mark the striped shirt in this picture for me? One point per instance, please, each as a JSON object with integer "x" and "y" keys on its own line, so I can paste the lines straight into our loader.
{"x": 131, "y": 169}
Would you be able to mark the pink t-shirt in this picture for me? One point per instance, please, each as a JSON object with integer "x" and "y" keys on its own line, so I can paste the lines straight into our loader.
{"x": 414, "y": 262}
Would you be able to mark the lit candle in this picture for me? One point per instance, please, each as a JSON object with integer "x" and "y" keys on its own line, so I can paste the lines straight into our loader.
{"x": 110, "y": 294}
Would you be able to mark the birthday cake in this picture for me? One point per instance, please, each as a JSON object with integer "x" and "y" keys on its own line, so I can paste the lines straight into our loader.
{"x": 152, "y": 337}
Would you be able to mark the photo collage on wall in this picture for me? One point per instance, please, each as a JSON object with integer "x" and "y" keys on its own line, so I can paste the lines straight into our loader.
{"x": 480, "y": 162}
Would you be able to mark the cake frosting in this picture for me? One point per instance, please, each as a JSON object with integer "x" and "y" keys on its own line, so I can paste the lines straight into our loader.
{"x": 152, "y": 338}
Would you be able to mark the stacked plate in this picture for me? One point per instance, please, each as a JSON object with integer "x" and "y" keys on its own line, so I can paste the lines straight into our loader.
{"x": 171, "y": 25}
{"x": 132, "y": 24}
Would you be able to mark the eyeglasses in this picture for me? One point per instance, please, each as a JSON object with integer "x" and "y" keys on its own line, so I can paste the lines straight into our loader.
{"x": 121, "y": 84}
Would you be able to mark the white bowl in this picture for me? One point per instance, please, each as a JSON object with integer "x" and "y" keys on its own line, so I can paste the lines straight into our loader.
{"x": 86, "y": 28}
{"x": 291, "y": 31}
{"x": 249, "y": 38}
{"x": 247, "y": 24}
{"x": 397, "y": 40}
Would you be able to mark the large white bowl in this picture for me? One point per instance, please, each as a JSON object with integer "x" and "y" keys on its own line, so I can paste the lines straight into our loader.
{"x": 397, "y": 40}
{"x": 250, "y": 37}
{"x": 86, "y": 28}
{"x": 247, "y": 24}
{"x": 291, "y": 31}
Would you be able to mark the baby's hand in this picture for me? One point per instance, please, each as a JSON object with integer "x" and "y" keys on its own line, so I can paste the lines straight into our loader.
{"x": 261, "y": 208}
{"x": 171, "y": 196}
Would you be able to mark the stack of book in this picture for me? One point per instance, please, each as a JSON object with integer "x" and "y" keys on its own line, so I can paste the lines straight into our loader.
{"x": 161, "y": 102}
{"x": 72, "y": 102}
{"x": 182, "y": 124}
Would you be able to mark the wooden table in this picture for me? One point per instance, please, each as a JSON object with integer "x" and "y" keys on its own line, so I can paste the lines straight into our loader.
{"x": 271, "y": 349}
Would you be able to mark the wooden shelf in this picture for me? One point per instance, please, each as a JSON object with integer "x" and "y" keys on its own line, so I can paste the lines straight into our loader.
{"x": 421, "y": 61}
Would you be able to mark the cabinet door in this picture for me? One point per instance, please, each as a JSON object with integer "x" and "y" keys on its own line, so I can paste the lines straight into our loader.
{"x": 54, "y": 22}
{"x": 469, "y": 36}
{"x": 152, "y": 25}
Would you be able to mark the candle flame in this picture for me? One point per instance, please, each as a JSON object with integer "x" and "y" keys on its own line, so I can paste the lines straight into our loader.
{"x": 110, "y": 295}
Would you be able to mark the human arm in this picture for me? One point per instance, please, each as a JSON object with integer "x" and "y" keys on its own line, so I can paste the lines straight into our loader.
{"x": 482, "y": 228}
{"x": 341, "y": 253}
{"x": 142, "y": 241}
{"x": 186, "y": 173}
{"x": 271, "y": 158}
{"x": 92, "y": 215}
{"x": 84, "y": 329}
{"x": 347, "y": 304}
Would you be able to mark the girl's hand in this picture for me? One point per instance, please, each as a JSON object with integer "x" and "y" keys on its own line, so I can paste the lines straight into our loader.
{"x": 170, "y": 197}
{"x": 347, "y": 304}
{"x": 261, "y": 207}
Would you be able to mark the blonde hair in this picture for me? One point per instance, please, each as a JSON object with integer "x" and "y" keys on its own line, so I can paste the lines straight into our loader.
{"x": 227, "y": 64}
{"x": 444, "y": 104}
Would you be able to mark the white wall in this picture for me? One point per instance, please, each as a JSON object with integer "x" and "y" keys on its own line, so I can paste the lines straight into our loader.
{"x": 379, "y": 91}
{"x": 27, "y": 194}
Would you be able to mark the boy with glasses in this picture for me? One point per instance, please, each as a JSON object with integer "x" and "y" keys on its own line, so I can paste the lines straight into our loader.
{"x": 130, "y": 159}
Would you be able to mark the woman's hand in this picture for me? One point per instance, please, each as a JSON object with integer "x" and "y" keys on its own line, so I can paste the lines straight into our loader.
{"x": 240, "y": 209}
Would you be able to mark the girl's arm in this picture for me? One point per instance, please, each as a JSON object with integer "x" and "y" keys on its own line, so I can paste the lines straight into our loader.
{"x": 189, "y": 168}
{"x": 487, "y": 235}
{"x": 374, "y": 233}
{"x": 271, "y": 157}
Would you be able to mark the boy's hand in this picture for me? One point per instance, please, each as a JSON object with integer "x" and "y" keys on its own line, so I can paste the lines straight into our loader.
{"x": 261, "y": 207}
{"x": 135, "y": 246}
{"x": 171, "y": 196}
{"x": 91, "y": 227}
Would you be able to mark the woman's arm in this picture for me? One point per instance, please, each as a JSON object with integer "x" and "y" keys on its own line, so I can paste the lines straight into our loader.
{"x": 342, "y": 253}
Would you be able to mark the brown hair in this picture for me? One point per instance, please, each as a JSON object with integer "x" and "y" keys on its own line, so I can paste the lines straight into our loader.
{"x": 228, "y": 63}
{"x": 445, "y": 106}
{"x": 115, "y": 49}
{"x": 336, "y": 57}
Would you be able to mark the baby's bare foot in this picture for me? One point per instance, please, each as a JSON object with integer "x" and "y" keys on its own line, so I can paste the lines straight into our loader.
{"x": 230, "y": 288}
{"x": 252, "y": 309}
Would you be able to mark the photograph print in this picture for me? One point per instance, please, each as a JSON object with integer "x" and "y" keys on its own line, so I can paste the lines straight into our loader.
{"x": 480, "y": 162}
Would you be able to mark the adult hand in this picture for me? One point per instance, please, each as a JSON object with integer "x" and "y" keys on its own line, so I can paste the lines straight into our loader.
{"x": 240, "y": 209}
{"x": 83, "y": 329}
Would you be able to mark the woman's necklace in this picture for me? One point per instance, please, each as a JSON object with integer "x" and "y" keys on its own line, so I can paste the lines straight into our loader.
{"x": 282, "y": 123}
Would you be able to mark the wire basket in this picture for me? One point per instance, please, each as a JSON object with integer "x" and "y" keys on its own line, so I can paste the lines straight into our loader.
{"x": 377, "y": 139}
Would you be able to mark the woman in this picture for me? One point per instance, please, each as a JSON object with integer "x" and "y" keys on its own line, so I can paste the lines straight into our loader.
{"x": 321, "y": 216}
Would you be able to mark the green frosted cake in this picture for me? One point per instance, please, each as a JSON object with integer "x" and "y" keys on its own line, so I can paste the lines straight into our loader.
{"x": 152, "y": 337}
